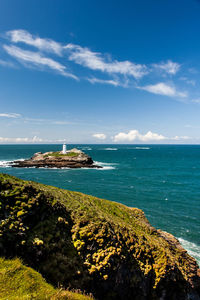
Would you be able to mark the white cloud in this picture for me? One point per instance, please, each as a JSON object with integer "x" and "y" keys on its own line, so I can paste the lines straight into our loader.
{"x": 188, "y": 81}
{"x": 100, "y": 136}
{"x": 24, "y": 36}
{"x": 95, "y": 61}
{"x": 6, "y": 63}
{"x": 193, "y": 71}
{"x": 151, "y": 136}
{"x": 62, "y": 123}
{"x": 36, "y": 120}
{"x": 163, "y": 89}
{"x": 10, "y": 115}
{"x": 81, "y": 55}
{"x": 196, "y": 100}
{"x": 133, "y": 135}
{"x": 192, "y": 82}
{"x": 178, "y": 138}
{"x": 37, "y": 59}
{"x": 102, "y": 81}
{"x": 48, "y": 121}
{"x": 120, "y": 72}
{"x": 169, "y": 67}
{"x": 34, "y": 139}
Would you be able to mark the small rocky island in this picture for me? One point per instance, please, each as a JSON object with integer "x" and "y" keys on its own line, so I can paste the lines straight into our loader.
{"x": 73, "y": 158}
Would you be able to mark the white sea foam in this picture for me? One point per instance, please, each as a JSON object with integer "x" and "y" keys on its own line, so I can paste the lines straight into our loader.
{"x": 192, "y": 249}
{"x": 85, "y": 148}
{"x": 4, "y": 164}
{"x": 8, "y": 163}
{"x": 105, "y": 166}
{"x": 142, "y": 148}
{"x": 110, "y": 149}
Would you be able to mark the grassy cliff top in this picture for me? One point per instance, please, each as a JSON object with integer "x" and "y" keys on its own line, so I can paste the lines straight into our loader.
{"x": 83, "y": 242}
{"x": 18, "y": 282}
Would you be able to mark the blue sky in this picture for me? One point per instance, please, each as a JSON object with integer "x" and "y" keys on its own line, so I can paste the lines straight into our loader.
{"x": 100, "y": 71}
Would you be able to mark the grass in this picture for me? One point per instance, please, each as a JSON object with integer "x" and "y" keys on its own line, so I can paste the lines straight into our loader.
{"x": 18, "y": 282}
{"x": 58, "y": 154}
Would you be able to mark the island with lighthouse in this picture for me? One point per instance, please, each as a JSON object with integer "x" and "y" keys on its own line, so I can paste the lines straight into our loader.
{"x": 73, "y": 158}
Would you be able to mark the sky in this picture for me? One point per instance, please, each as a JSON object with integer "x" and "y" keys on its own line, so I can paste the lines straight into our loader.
{"x": 100, "y": 71}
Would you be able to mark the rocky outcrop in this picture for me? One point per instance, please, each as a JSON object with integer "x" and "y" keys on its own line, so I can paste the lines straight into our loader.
{"x": 72, "y": 159}
{"x": 98, "y": 246}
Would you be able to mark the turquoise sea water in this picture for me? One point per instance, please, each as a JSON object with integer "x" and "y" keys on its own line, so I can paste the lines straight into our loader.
{"x": 162, "y": 180}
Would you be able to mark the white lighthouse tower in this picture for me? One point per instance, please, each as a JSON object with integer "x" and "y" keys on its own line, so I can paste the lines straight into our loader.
{"x": 64, "y": 149}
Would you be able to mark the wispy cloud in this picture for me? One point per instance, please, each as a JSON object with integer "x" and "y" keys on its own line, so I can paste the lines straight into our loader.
{"x": 43, "y": 44}
{"x": 34, "y": 139}
{"x": 100, "y": 136}
{"x": 10, "y": 115}
{"x": 38, "y": 121}
{"x": 163, "y": 89}
{"x": 119, "y": 72}
{"x": 6, "y": 63}
{"x": 80, "y": 55}
{"x": 178, "y": 138}
{"x": 188, "y": 81}
{"x": 37, "y": 59}
{"x": 62, "y": 123}
{"x": 94, "y": 80}
{"x": 191, "y": 126}
{"x": 30, "y": 140}
{"x": 197, "y": 101}
{"x": 134, "y": 134}
{"x": 169, "y": 67}
{"x": 96, "y": 61}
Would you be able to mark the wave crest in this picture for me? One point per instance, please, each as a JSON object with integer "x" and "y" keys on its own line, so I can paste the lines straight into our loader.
{"x": 192, "y": 249}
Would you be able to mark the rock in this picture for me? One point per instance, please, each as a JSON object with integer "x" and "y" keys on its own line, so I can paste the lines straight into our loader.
{"x": 72, "y": 159}
{"x": 82, "y": 242}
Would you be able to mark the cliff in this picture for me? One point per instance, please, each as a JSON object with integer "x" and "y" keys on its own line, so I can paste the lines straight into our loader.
{"x": 98, "y": 246}
{"x": 72, "y": 159}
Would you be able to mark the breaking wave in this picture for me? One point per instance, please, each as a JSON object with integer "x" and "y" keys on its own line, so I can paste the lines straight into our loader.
{"x": 8, "y": 163}
{"x": 192, "y": 249}
{"x": 4, "y": 164}
{"x": 110, "y": 149}
{"x": 142, "y": 148}
{"x": 85, "y": 148}
{"x": 105, "y": 166}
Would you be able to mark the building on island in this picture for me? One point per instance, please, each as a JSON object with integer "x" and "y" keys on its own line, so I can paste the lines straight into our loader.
{"x": 64, "y": 149}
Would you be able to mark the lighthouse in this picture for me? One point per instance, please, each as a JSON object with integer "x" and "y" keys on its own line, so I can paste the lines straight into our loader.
{"x": 64, "y": 149}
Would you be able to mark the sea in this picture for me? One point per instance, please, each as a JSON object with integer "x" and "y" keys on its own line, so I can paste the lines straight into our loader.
{"x": 162, "y": 180}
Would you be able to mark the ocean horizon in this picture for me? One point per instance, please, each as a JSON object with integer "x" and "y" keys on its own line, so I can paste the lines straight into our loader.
{"x": 162, "y": 180}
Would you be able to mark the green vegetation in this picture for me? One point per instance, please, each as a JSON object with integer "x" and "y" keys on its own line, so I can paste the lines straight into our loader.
{"x": 82, "y": 242}
{"x": 18, "y": 282}
{"x": 58, "y": 154}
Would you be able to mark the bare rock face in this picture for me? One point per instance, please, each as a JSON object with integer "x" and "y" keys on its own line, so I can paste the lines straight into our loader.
{"x": 72, "y": 159}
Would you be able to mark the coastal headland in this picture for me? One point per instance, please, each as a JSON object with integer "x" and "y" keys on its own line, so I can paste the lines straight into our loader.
{"x": 82, "y": 242}
{"x": 73, "y": 158}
